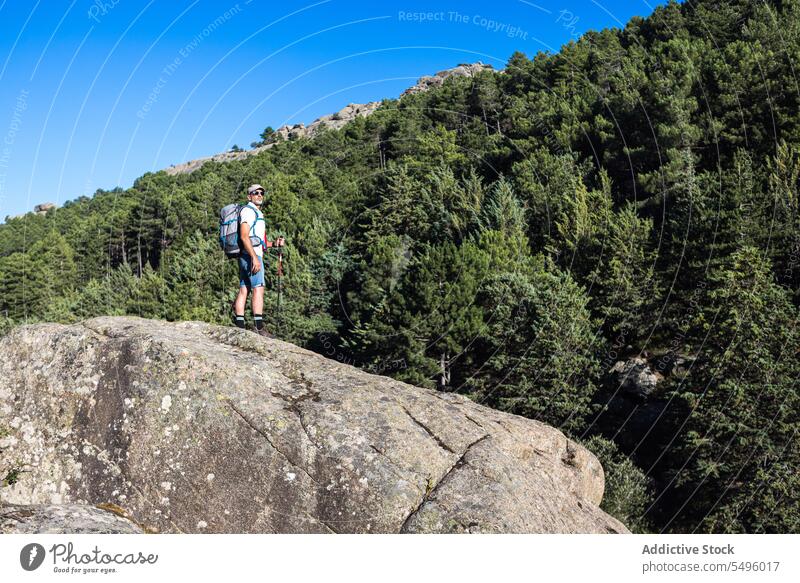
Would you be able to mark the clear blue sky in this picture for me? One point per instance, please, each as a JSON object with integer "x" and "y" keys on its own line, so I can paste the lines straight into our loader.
{"x": 97, "y": 92}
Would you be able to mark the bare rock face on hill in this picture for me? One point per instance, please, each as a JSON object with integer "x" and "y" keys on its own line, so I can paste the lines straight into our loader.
{"x": 430, "y": 81}
{"x": 189, "y": 427}
{"x": 332, "y": 121}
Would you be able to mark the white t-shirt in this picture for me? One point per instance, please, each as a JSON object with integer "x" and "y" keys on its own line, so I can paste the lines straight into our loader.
{"x": 252, "y": 216}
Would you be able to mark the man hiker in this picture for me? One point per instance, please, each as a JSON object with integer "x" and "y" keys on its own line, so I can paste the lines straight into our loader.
{"x": 252, "y": 236}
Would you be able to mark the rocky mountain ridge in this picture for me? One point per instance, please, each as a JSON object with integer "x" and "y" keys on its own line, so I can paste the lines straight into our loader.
{"x": 331, "y": 121}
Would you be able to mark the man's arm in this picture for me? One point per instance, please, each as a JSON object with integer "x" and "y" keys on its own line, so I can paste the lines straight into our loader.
{"x": 244, "y": 236}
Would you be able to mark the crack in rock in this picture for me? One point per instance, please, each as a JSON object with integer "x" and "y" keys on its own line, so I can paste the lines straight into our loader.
{"x": 269, "y": 441}
{"x": 297, "y": 411}
{"x": 475, "y": 422}
{"x": 97, "y": 332}
{"x": 569, "y": 455}
{"x": 504, "y": 426}
{"x": 426, "y": 498}
{"x": 433, "y": 436}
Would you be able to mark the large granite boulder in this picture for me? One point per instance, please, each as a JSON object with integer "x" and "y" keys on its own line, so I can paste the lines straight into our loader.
{"x": 190, "y": 427}
{"x": 63, "y": 519}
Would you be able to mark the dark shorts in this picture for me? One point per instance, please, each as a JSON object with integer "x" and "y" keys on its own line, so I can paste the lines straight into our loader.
{"x": 248, "y": 279}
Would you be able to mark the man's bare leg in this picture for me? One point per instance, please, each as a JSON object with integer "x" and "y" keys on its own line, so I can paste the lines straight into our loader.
{"x": 241, "y": 301}
{"x": 258, "y": 305}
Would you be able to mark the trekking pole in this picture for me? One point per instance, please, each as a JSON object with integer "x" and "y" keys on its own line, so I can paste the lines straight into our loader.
{"x": 278, "y": 318}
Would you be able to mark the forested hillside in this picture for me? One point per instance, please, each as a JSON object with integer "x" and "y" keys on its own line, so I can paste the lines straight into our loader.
{"x": 511, "y": 237}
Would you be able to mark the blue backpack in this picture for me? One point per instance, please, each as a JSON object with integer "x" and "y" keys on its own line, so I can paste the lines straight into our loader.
{"x": 229, "y": 219}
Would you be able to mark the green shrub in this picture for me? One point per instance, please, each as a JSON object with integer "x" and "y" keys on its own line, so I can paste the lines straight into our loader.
{"x": 628, "y": 492}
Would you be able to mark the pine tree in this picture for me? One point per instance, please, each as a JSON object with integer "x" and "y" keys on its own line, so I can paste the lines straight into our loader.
{"x": 623, "y": 284}
{"x": 199, "y": 281}
{"x": 147, "y": 299}
{"x": 546, "y": 185}
{"x": 502, "y": 211}
{"x": 740, "y": 441}
{"x": 31, "y": 282}
{"x": 782, "y": 239}
{"x": 430, "y": 318}
{"x": 537, "y": 355}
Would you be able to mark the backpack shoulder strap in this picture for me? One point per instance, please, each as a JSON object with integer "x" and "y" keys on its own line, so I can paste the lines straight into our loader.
{"x": 253, "y": 226}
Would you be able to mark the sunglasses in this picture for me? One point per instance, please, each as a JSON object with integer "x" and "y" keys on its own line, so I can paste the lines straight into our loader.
{"x": 258, "y": 193}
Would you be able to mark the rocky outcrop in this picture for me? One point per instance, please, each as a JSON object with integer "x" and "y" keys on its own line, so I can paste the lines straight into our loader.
{"x": 190, "y": 427}
{"x": 635, "y": 377}
{"x": 331, "y": 121}
{"x": 41, "y": 209}
{"x": 192, "y": 165}
{"x": 63, "y": 519}
{"x": 430, "y": 81}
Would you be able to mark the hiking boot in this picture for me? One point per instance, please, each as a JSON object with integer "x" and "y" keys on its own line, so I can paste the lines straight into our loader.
{"x": 233, "y": 320}
{"x": 263, "y": 332}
